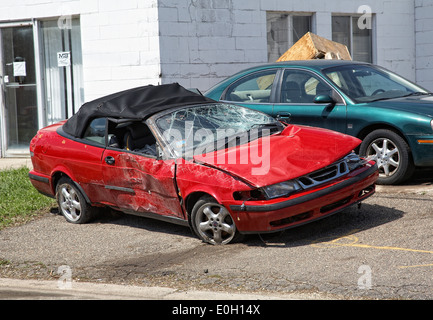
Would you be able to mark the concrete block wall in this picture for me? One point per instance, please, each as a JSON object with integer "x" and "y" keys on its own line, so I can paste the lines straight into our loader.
{"x": 120, "y": 45}
{"x": 424, "y": 43}
{"x": 203, "y": 41}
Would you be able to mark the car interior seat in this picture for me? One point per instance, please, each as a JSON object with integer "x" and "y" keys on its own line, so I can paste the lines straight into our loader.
{"x": 291, "y": 92}
{"x": 138, "y": 135}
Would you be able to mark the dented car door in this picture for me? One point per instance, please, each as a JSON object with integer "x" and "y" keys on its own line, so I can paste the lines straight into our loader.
{"x": 141, "y": 184}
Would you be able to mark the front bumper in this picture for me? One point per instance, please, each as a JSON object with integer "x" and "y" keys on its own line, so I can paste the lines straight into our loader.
{"x": 283, "y": 213}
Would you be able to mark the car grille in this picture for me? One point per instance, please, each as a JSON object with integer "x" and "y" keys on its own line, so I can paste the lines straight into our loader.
{"x": 334, "y": 171}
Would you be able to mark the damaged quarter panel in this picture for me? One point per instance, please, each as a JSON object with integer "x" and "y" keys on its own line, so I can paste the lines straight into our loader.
{"x": 201, "y": 178}
{"x": 59, "y": 156}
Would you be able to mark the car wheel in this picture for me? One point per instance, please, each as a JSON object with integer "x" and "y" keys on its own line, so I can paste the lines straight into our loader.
{"x": 391, "y": 153}
{"x": 71, "y": 202}
{"x": 212, "y": 223}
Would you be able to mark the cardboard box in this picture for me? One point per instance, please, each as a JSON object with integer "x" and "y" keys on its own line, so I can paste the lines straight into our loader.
{"x": 311, "y": 46}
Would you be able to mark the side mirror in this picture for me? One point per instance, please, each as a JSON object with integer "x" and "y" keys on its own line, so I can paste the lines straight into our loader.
{"x": 323, "y": 98}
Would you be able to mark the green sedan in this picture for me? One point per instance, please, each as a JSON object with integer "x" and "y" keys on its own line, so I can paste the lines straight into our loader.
{"x": 391, "y": 115}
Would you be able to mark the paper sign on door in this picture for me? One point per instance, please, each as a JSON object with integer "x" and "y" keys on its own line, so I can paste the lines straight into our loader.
{"x": 63, "y": 59}
{"x": 19, "y": 69}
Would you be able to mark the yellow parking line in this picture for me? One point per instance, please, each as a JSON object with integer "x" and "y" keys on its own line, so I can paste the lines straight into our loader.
{"x": 350, "y": 240}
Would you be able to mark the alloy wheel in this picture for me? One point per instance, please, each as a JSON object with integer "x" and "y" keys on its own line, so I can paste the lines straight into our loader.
{"x": 386, "y": 154}
{"x": 69, "y": 202}
{"x": 214, "y": 224}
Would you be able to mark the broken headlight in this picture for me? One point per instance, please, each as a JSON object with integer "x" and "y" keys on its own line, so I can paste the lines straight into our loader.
{"x": 353, "y": 161}
{"x": 282, "y": 189}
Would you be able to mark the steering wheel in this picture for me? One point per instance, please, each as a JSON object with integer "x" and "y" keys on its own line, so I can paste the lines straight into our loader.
{"x": 377, "y": 92}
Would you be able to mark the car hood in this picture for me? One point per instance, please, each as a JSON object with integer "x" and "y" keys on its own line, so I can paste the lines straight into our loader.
{"x": 422, "y": 105}
{"x": 296, "y": 151}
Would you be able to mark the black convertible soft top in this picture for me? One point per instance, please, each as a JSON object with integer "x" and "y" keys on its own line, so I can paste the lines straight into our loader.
{"x": 138, "y": 103}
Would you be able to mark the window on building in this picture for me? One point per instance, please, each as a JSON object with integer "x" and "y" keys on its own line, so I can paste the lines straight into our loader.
{"x": 283, "y": 30}
{"x": 62, "y": 68}
{"x": 359, "y": 41}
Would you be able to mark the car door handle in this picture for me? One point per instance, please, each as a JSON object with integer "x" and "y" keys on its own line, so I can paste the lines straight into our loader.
{"x": 109, "y": 160}
{"x": 285, "y": 115}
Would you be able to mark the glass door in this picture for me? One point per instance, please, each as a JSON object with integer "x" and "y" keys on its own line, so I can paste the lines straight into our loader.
{"x": 19, "y": 90}
{"x": 61, "y": 69}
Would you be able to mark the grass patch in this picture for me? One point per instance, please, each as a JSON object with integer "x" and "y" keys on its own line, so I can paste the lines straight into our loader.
{"x": 19, "y": 200}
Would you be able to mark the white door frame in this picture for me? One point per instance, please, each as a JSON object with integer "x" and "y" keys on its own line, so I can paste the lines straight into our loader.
{"x": 39, "y": 90}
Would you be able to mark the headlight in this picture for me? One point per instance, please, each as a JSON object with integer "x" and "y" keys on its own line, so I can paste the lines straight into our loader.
{"x": 431, "y": 124}
{"x": 281, "y": 189}
{"x": 353, "y": 161}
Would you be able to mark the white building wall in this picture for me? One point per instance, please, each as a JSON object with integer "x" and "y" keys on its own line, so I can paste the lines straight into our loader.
{"x": 424, "y": 43}
{"x": 120, "y": 44}
{"x": 203, "y": 41}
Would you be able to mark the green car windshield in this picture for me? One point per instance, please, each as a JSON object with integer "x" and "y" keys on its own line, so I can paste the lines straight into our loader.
{"x": 364, "y": 83}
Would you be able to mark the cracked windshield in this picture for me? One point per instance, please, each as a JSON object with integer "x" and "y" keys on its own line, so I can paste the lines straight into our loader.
{"x": 200, "y": 129}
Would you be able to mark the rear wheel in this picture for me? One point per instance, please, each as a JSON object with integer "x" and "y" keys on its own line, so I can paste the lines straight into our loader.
{"x": 72, "y": 203}
{"x": 391, "y": 153}
{"x": 212, "y": 222}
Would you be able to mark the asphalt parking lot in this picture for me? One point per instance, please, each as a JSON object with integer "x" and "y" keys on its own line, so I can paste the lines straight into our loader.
{"x": 384, "y": 250}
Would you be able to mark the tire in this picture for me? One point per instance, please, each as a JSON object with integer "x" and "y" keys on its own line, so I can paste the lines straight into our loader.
{"x": 392, "y": 155}
{"x": 72, "y": 203}
{"x": 212, "y": 222}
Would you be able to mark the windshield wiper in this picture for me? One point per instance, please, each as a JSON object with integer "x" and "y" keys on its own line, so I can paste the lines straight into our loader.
{"x": 412, "y": 94}
{"x": 275, "y": 124}
{"x": 417, "y": 93}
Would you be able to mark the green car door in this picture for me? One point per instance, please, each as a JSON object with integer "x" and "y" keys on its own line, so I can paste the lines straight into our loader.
{"x": 305, "y": 98}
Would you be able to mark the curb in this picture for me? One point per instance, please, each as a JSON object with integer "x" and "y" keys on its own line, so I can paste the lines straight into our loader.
{"x": 15, "y": 163}
{"x": 17, "y": 289}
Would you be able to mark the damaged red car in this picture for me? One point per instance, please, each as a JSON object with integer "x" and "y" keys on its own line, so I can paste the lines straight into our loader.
{"x": 171, "y": 154}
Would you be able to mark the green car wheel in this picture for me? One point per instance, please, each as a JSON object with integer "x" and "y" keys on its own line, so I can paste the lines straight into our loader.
{"x": 391, "y": 153}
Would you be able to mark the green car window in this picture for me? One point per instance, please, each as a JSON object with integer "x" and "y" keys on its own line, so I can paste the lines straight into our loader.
{"x": 365, "y": 83}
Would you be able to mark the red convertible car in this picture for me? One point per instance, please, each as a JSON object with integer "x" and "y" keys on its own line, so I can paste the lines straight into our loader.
{"x": 171, "y": 154}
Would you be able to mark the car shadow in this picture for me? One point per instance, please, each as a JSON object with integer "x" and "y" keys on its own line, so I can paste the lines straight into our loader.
{"x": 349, "y": 221}
{"x": 138, "y": 222}
{"x": 421, "y": 176}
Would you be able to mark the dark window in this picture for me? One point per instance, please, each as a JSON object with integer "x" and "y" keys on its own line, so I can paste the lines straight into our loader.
{"x": 95, "y": 132}
{"x": 284, "y": 29}
{"x": 255, "y": 88}
{"x": 302, "y": 87}
{"x": 359, "y": 41}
